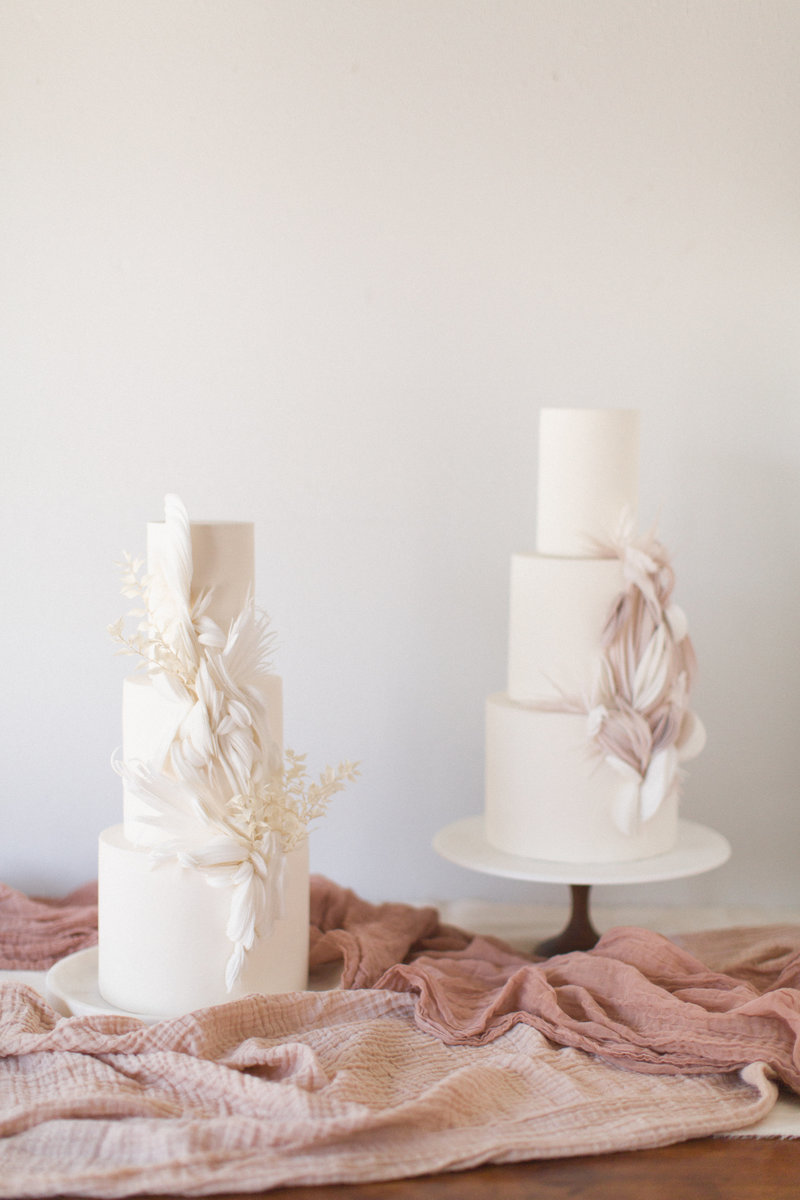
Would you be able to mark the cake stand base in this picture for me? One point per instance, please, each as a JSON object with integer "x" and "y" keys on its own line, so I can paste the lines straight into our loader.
{"x": 697, "y": 849}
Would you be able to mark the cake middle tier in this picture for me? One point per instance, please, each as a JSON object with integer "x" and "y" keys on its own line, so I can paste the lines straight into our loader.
{"x": 152, "y": 719}
{"x": 558, "y": 610}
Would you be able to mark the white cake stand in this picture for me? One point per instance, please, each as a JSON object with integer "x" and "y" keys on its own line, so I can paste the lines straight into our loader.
{"x": 697, "y": 849}
{"x": 72, "y": 989}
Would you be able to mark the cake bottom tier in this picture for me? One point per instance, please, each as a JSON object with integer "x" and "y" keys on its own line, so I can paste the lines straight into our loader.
{"x": 548, "y": 798}
{"x": 162, "y": 942}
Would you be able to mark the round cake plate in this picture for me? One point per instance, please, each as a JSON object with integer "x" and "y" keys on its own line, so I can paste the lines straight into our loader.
{"x": 71, "y": 988}
{"x": 697, "y": 849}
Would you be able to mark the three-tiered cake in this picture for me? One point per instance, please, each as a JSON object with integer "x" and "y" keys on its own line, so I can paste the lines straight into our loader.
{"x": 200, "y": 902}
{"x": 583, "y": 749}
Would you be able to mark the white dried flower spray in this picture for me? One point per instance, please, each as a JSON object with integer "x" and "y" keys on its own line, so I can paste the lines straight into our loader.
{"x": 226, "y": 802}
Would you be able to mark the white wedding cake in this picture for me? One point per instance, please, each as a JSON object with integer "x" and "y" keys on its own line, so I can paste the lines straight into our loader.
{"x": 583, "y": 749}
{"x": 203, "y": 888}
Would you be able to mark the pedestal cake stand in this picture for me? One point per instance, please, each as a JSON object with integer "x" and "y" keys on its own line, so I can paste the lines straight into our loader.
{"x": 697, "y": 849}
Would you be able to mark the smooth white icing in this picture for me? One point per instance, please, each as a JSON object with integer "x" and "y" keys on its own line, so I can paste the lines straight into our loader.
{"x": 163, "y": 946}
{"x": 558, "y": 608}
{"x": 547, "y": 797}
{"x": 588, "y": 477}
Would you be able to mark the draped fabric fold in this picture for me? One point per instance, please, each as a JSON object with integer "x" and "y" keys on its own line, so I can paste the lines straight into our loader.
{"x": 440, "y": 1050}
{"x": 636, "y": 1000}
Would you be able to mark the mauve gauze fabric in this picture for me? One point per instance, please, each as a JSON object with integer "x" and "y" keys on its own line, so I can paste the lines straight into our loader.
{"x": 34, "y": 934}
{"x": 440, "y": 1051}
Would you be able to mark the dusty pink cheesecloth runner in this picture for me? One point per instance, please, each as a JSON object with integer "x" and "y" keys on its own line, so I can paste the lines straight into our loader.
{"x": 441, "y": 1051}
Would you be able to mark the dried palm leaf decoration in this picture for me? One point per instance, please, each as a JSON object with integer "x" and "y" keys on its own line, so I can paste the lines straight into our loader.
{"x": 638, "y": 719}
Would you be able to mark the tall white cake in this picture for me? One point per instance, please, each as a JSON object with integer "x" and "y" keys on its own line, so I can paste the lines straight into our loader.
{"x": 198, "y": 904}
{"x": 582, "y": 750}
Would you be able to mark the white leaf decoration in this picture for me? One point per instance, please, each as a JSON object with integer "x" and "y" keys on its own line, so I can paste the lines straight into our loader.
{"x": 595, "y": 719}
{"x": 170, "y": 590}
{"x": 650, "y": 677}
{"x": 234, "y": 966}
{"x": 676, "y": 619}
{"x": 658, "y": 782}
{"x": 692, "y": 736}
{"x": 625, "y": 808}
{"x": 209, "y": 633}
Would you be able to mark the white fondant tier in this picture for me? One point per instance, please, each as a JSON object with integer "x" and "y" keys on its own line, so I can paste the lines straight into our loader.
{"x": 588, "y": 476}
{"x": 162, "y": 941}
{"x": 150, "y": 720}
{"x": 222, "y": 563}
{"x": 547, "y": 798}
{"x": 558, "y": 609}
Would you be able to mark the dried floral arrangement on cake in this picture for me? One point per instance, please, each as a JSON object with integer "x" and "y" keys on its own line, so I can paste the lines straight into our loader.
{"x": 226, "y": 800}
{"x": 637, "y": 708}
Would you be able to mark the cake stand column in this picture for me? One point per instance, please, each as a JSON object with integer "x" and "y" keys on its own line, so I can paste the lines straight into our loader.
{"x": 578, "y": 934}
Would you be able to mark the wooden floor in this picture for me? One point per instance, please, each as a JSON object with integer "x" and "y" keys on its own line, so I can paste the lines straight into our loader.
{"x": 707, "y": 1169}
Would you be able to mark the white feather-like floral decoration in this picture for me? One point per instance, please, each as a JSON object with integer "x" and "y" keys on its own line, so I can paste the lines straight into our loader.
{"x": 638, "y": 718}
{"x": 226, "y": 801}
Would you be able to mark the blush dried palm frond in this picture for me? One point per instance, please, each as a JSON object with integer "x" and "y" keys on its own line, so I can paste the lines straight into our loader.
{"x": 637, "y": 704}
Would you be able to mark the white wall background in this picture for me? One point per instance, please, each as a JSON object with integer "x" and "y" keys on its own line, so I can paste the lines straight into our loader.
{"x": 317, "y": 264}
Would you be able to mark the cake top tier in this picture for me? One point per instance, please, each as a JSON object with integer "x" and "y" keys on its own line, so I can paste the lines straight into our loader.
{"x": 588, "y": 477}
{"x": 222, "y": 562}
